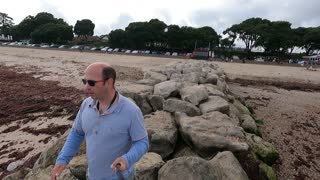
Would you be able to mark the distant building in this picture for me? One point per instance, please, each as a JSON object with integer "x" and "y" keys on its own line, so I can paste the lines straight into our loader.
{"x": 5, "y": 37}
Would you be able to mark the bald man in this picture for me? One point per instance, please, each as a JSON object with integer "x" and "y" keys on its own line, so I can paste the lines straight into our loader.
{"x": 112, "y": 126}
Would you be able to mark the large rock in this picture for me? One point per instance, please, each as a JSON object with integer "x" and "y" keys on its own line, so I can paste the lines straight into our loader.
{"x": 187, "y": 168}
{"x": 194, "y": 94}
{"x": 263, "y": 149}
{"x": 139, "y": 93}
{"x": 162, "y": 132}
{"x": 215, "y": 103}
{"x": 20, "y": 174}
{"x": 148, "y": 166}
{"x": 158, "y": 77}
{"x": 176, "y": 105}
{"x": 41, "y": 174}
{"x": 184, "y": 151}
{"x": 132, "y": 89}
{"x": 248, "y": 123}
{"x": 211, "y": 78}
{"x": 167, "y": 89}
{"x": 242, "y": 109}
{"x": 211, "y": 132}
{"x": 78, "y": 167}
{"x": 156, "y": 102}
{"x": 213, "y": 90}
{"x": 228, "y": 167}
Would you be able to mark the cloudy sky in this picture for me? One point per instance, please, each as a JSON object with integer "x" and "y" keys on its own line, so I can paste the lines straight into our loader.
{"x": 219, "y": 14}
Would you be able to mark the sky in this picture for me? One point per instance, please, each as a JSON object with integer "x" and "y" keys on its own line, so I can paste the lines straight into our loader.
{"x": 108, "y": 15}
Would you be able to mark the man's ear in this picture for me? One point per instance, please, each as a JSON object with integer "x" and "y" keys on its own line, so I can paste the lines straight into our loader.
{"x": 110, "y": 81}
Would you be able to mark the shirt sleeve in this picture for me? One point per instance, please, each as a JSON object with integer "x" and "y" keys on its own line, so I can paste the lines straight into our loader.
{"x": 73, "y": 141}
{"x": 137, "y": 150}
{"x": 137, "y": 129}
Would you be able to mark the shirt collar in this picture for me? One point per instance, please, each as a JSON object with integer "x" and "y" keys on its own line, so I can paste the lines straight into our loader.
{"x": 116, "y": 107}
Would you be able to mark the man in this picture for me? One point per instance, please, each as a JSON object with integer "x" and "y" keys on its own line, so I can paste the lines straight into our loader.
{"x": 112, "y": 126}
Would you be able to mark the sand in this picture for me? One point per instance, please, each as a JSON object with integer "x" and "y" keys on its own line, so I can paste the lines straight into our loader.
{"x": 291, "y": 118}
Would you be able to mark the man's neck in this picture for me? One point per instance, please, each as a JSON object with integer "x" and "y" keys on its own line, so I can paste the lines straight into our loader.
{"x": 108, "y": 101}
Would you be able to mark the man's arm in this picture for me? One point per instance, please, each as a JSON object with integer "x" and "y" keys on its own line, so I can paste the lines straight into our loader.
{"x": 137, "y": 150}
{"x": 69, "y": 149}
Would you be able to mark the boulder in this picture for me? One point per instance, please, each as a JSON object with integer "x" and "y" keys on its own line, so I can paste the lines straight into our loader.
{"x": 176, "y": 105}
{"x": 156, "y": 102}
{"x": 264, "y": 150}
{"x": 194, "y": 94}
{"x": 228, "y": 166}
{"x": 210, "y": 133}
{"x": 148, "y": 166}
{"x": 167, "y": 89}
{"x": 162, "y": 132}
{"x": 248, "y": 123}
{"x": 214, "y": 103}
{"x": 187, "y": 168}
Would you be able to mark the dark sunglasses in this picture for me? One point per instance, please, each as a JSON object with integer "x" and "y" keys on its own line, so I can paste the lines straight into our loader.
{"x": 91, "y": 82}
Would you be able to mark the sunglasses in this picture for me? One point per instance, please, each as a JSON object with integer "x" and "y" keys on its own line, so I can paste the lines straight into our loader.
{"x": 91, "y": 82}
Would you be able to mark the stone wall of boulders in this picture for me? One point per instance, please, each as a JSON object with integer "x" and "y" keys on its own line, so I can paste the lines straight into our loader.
{"x": 197, "y": 129}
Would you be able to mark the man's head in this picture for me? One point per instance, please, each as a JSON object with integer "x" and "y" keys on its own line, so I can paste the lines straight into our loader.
{"x": 99, "y": 79}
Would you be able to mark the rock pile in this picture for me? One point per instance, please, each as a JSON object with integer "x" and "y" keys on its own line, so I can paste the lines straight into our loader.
{"x": 197, "y": 129}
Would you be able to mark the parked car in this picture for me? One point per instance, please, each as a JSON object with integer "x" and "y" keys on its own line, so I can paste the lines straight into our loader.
{"x": 105, "y": 48}
{"x": 63, "y": 46}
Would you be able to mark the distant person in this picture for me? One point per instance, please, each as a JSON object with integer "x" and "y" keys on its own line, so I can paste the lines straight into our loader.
{"x": 81, "y": 48}
{"x": 311, "y": 64}
{"x": 112, "y": 126}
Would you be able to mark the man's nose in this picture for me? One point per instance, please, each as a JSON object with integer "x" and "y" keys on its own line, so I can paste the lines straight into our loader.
{"x": 86, "y": 86}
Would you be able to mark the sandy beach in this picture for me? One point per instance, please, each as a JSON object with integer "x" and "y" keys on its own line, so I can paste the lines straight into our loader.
{"x": 291, "y": 117}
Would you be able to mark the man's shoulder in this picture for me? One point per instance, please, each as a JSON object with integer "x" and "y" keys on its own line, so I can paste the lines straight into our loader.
{"x": 86, "y": 102}
{"x": 129, "y": 104}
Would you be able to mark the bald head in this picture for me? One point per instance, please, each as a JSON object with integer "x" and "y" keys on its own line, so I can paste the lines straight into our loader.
{"x": 104, "y": 69}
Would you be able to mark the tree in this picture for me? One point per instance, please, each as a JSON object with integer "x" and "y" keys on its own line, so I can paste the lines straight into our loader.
{"x": 227, "y": 42}
{"x": 276, "y": 36}
{"x": 207, "y": 35}
{"x": 52, "y": 33}
{"x": 138, "y": 35}
{"x": 156, "y": 29}
{"x": 247, "y": 31}
{"x": 311, "y": 39}
{"x": 174, "y": 37}
{"x": 84, "y": 27}
{"x": 30, "y": 23}
{"x": 117, "y": 38}
{"x": 5, "y": 23}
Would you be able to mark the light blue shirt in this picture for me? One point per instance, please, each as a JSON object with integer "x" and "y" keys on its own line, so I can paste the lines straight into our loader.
{"x": 118, "y": 132}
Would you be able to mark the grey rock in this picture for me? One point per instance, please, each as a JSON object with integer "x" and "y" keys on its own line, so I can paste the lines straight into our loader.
{"x": 215, "y": 103}
{"x": 194, "y": 94}
{"x": 162, "y": 132}
{"x": 176, "y": 105}
{"x": 156, "y": 102}
{"x": 167, "y": 89}
{"x": 188, "y": 168}
{"x": 148, "y": 166}
{"x": 210, "y": 133}
{"x": 228, "y": 166}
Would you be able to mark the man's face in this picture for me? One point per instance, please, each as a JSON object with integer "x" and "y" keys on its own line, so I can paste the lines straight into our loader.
{"x": 99, "y": 90}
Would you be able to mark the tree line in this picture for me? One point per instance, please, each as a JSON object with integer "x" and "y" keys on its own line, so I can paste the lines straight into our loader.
{"x": 275, "y": 37}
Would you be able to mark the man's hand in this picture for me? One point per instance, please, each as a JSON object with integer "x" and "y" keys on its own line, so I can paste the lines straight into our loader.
{"x": 122, "y": 162}
{"x": 57, "y": 170}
